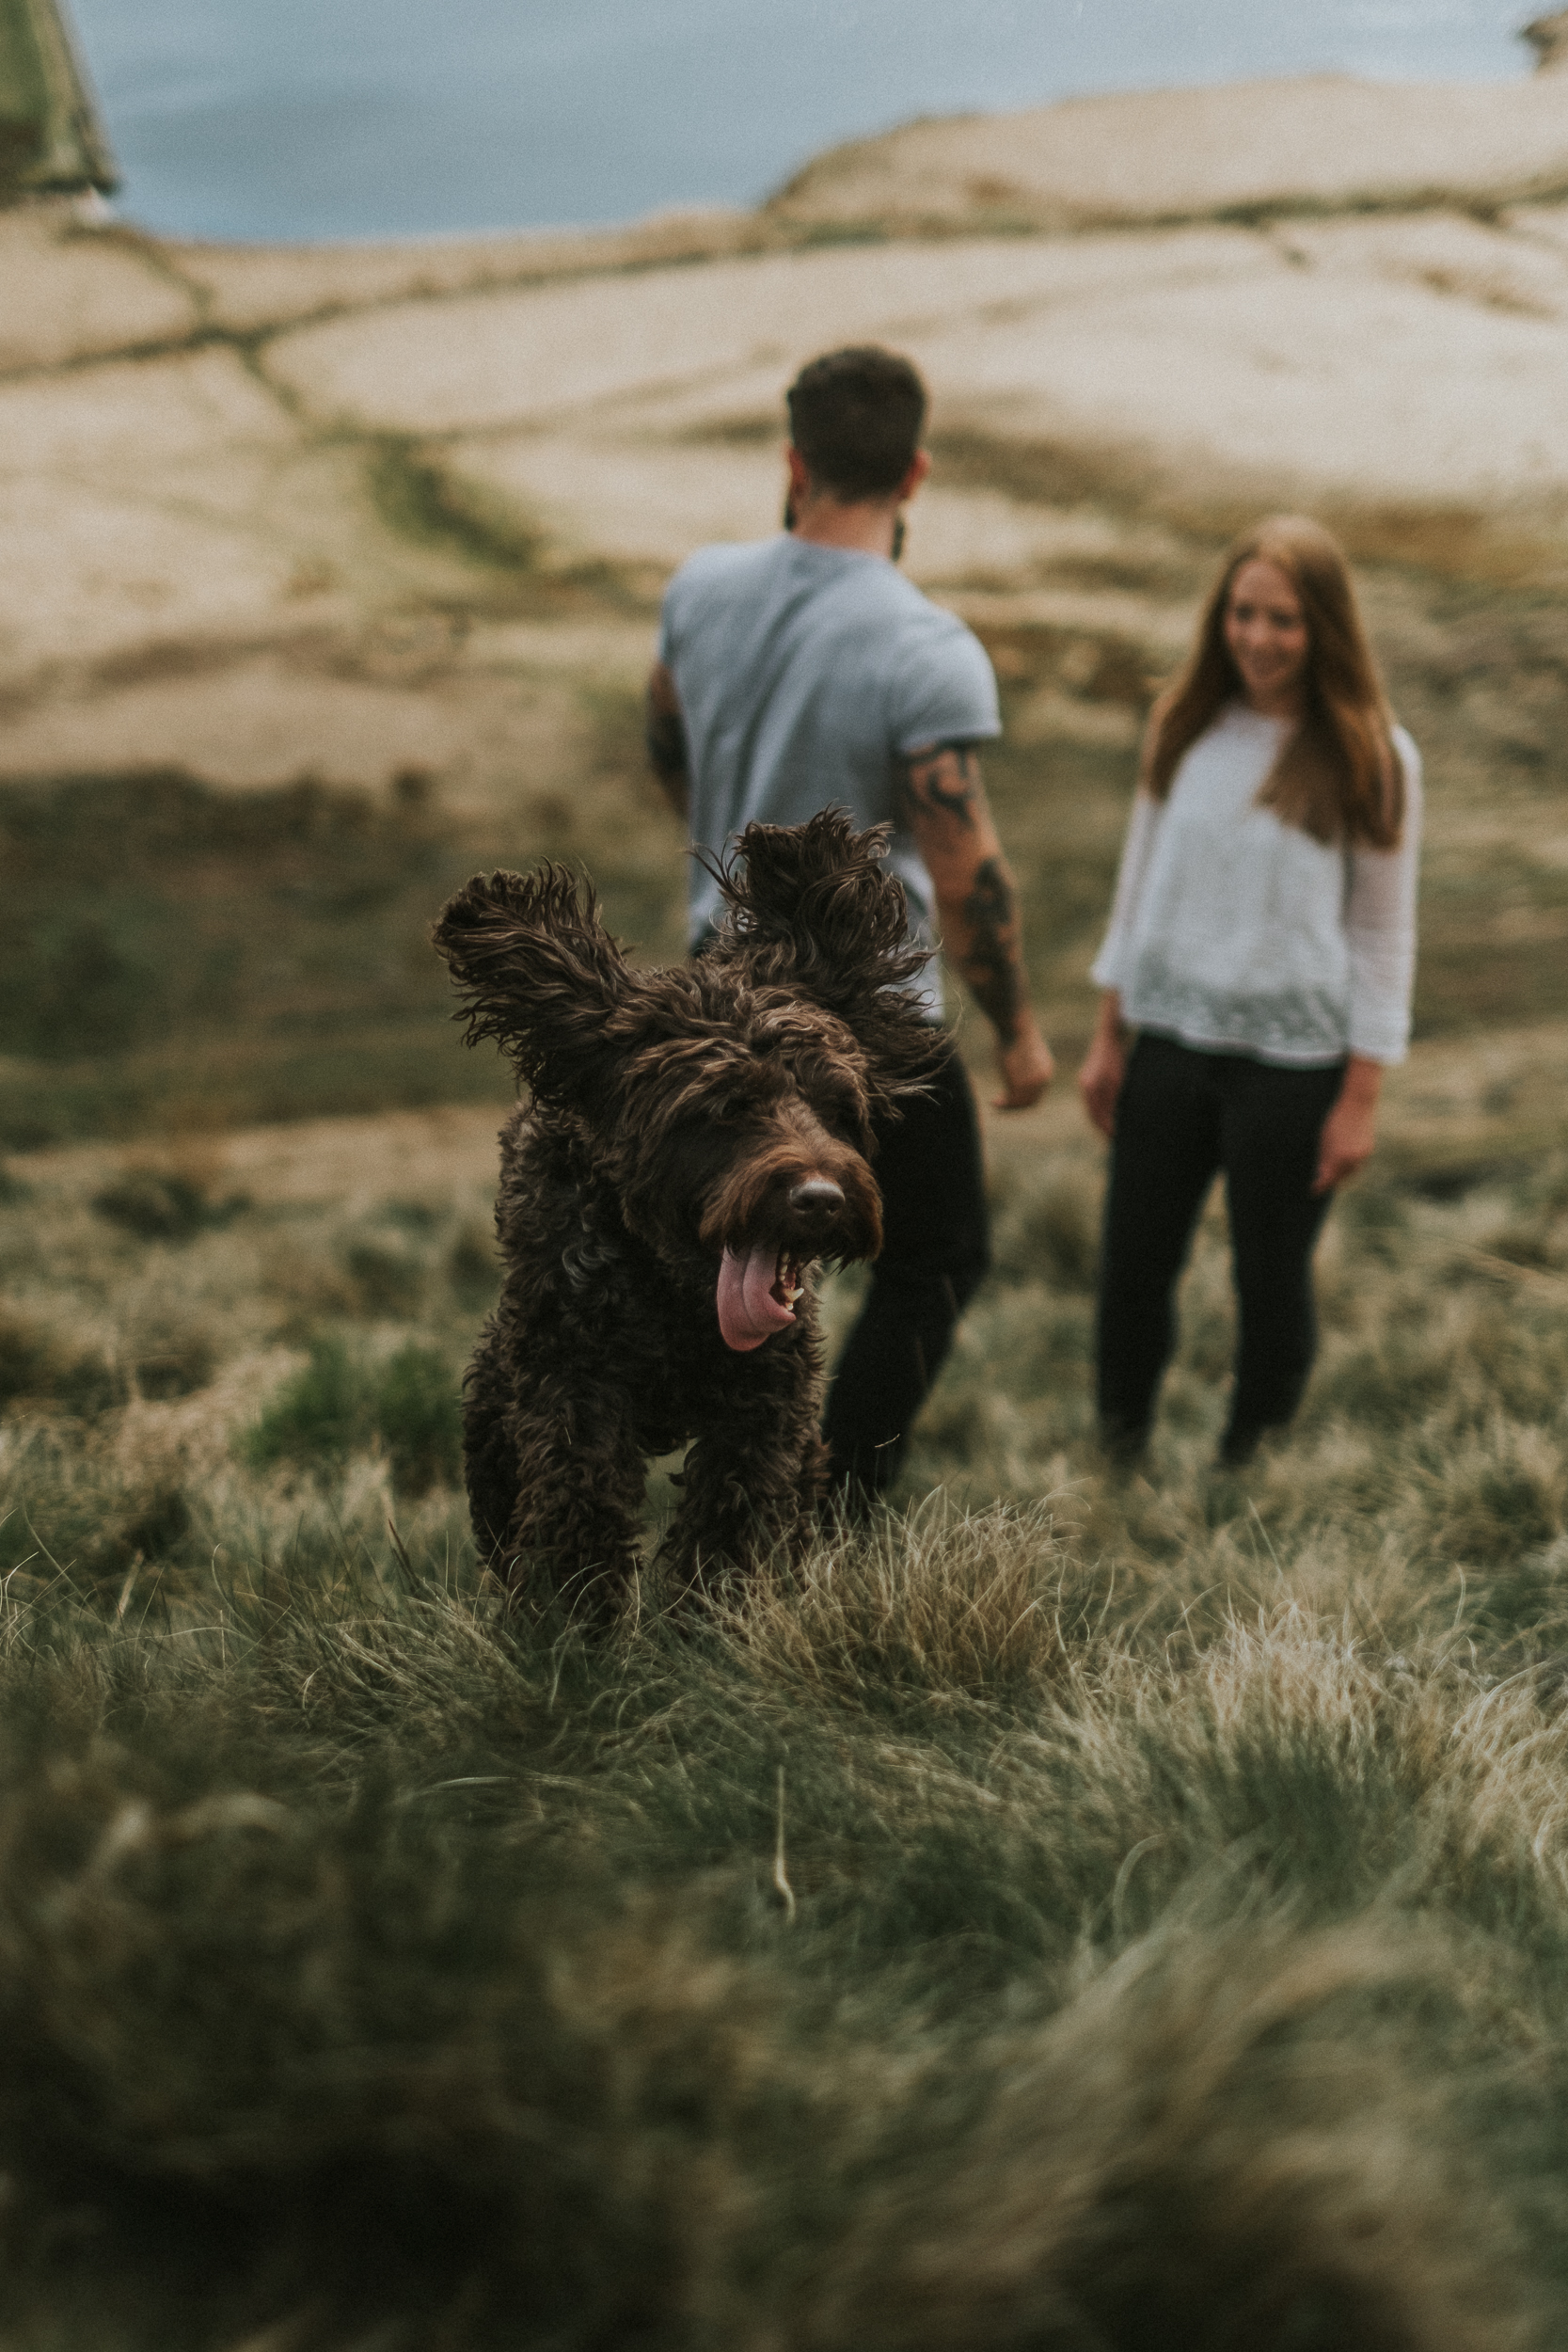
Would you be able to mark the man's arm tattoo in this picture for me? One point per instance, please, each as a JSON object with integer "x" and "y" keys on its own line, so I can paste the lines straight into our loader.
{"x": 942, "y": 781}
{"x": 990, "y": 960}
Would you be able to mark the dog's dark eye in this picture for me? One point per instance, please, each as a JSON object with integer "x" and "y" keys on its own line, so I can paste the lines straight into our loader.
{"x": 845, "y": 1114}
{"x": 732, "y": 1110}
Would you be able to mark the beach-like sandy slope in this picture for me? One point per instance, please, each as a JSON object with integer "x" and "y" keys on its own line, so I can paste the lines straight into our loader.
{"x": 351, "y": 510}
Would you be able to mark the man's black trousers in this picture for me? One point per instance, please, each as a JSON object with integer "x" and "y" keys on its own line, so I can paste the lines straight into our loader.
{"x": 1181, "y": 1117}
{"x": 935, "y": 1248}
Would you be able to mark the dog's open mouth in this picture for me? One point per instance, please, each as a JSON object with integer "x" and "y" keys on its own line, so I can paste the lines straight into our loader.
{"x": 757, "y": 1293}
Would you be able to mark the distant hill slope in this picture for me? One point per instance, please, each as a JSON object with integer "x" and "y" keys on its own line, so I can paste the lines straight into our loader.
{"x": 236, "y": 484}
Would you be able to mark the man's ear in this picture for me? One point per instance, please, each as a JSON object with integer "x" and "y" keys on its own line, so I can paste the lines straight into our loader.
{"x": 920, "y": 467}
{"x": 813, "y": 908}
{"x": 539, "y": 974}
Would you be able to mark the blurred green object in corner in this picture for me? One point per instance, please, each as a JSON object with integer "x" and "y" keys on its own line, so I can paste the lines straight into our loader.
{"x": 51, "y": 140}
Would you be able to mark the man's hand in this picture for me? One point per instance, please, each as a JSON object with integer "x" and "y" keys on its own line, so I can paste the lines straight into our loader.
{"x": 1026, "y": 1069}
{"x": 665, "y": 731}
{"x": 1350, "y": 1131}
{"x": 942, "y": 802}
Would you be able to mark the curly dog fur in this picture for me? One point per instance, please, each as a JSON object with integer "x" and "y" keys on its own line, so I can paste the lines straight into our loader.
{"x": 697, "y": 1136}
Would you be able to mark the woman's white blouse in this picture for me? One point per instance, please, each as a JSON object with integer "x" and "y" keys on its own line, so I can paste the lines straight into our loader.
{"x": 1233, "y": 931}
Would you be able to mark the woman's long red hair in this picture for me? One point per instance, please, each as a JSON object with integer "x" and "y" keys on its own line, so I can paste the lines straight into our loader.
{"x": 1337, "y": 775}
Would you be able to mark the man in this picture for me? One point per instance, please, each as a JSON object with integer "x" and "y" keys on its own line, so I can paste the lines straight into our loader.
{"x": 803, "y": 671}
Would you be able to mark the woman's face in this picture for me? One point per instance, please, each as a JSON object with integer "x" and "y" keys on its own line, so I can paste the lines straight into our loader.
{"x": 1266, "y": 636}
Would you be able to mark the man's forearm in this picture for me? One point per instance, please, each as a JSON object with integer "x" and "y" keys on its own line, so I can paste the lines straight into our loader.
{"x": 942, "y": 800}
{"x": 980, "y": 934}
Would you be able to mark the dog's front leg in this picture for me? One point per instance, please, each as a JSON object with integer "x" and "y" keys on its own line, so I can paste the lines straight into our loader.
{"x": 573, "y": 1531}
{"x": 754, "y": 1477}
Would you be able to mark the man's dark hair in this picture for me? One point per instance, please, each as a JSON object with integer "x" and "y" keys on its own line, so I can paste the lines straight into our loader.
{"x": 855, "y": 416}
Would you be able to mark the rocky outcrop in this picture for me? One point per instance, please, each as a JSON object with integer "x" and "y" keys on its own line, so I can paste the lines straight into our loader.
{"x": 51, "y": 139}
{"x": 1251, "y": 150}
{"x": 1548, "y": 36}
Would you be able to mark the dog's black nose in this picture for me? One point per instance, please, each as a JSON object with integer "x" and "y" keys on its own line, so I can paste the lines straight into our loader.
{"x": 819, "y": 1197}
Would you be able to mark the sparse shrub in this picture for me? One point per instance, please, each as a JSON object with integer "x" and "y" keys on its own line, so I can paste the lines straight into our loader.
{"x": 1509, "y": 1356}
{"x": 164, "y": 1204}
{"x": 35, "y": 1361}
{"x": 1058, "y": 1350}
{"x": 1055, "y": 1235}
{"x": 88, "y": 996}
{"x": 1518, "y": 1603}
{"x": 1385, "y": 1385}
{"x": 172, "y": 1357}
{"x": 1544, "y": 1192}
{"x": 418, "y": 1417}
{"x": 72, "y": 1510}
{"x": 413, "y": 790}
{"x": 473, "y": 1268}
{"x": 411, "y": 1216}
{"x": 28, "y": 1357}
{"x": 1534, "y": 1243}
{"x": 1376, "y": 1222}
{"x": 1452, "y": 1180}
{"x": 387, "y": 1282}
{"x": 308, "y": 1284}
{"x": 86, "y": 1384}
{"x": 154, "y": 1523}
{"x": 1189, "y": 1400}
{"x": 1500, "y": 1497}
{"x": 955, "y": 1422}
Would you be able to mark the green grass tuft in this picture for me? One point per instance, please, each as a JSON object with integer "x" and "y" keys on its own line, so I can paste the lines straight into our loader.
{"x": 419, "y": 1419}
{"x": 340, "y": 1403}
{"x": 318, "y": 1416}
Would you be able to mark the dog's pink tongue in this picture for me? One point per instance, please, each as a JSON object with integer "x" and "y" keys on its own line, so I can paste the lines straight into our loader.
{"x": 748, "y": 1311}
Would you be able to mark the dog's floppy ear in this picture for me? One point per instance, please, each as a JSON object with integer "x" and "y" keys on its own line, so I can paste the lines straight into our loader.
{"x": 813, "y": 907}
{"x": 539, "y": 974}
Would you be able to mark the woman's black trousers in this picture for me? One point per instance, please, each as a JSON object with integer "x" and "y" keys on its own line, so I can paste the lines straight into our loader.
{"x": 1182, "y": 1118}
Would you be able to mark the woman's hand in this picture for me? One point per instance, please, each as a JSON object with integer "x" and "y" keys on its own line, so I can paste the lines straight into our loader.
{"x": 1104, "y": 1066}
{"x": 1350, "y": 1131}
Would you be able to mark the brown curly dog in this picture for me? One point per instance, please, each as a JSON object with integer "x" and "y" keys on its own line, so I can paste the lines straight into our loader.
{"x": 697, "y": 1139}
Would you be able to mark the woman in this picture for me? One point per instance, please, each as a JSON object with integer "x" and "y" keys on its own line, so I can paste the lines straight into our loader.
{"x": 1262, "y": 945}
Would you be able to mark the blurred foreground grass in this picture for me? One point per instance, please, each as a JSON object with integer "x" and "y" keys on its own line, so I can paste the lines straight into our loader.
{"x": 1120, "y": 1916}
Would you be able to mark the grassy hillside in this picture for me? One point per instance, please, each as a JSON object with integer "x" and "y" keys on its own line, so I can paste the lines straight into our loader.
{"x": 1128, "y": 1915}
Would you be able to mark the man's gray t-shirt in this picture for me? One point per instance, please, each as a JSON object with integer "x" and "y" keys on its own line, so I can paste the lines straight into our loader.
{"x": 804, "y": 673}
